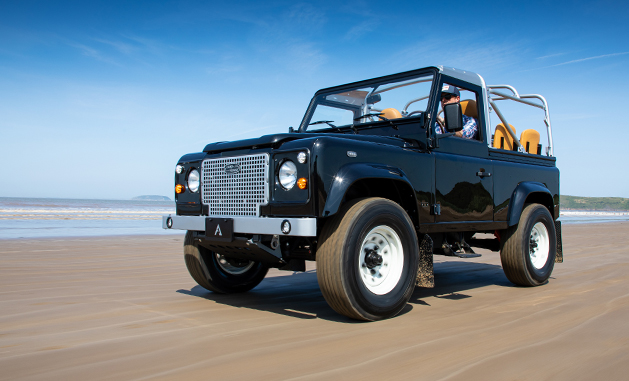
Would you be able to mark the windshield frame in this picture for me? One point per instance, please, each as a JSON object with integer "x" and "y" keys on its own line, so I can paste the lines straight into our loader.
{"x": 374, "y": 83}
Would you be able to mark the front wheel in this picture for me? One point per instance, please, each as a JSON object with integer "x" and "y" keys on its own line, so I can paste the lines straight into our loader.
{"x": 218, "y": 273}
{"x": 529, "y": 248}
{"x": 368, "y": 260}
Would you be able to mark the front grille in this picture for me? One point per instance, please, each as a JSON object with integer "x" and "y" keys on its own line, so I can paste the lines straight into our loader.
{"x": 235, "y": 186}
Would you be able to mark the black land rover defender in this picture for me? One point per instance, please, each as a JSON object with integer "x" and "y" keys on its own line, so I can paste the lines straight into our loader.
{"x": 371, "y": 185}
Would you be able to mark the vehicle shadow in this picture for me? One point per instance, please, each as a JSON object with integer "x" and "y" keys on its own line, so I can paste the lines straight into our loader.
{"x": 453, "y": 278}
{"x": 298, "y": 295}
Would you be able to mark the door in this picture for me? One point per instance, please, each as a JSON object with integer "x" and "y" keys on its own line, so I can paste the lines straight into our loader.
{"x": 463, "y": 181}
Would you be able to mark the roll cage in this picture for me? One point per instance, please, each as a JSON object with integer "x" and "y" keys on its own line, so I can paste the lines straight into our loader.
{"x": 494, "y": 96}
{"x": 359, "y": 93}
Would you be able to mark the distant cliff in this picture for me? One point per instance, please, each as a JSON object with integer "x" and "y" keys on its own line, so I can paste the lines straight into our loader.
{"x": 594, "y": 203}
{"x": 152, "y": 198}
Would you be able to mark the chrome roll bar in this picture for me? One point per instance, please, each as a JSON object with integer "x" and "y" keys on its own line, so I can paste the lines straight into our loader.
{"x": 522, "y": 99}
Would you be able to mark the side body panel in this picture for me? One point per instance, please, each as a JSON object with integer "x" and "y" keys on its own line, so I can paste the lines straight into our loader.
{"x": 336, "y": 173}
{"x": 538, "y": 174}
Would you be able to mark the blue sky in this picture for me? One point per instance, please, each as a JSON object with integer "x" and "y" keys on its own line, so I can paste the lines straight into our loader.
{"x": 100, "y": 99}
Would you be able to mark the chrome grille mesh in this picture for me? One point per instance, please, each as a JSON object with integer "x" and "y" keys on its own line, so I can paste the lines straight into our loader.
{"x": 235, "y": 186}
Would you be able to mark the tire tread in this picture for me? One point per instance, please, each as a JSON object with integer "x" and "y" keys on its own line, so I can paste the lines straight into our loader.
{"x": 512, "y": 251}
{"x": 330, "y": 276}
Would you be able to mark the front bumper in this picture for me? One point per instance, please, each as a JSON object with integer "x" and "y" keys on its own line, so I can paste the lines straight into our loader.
{"x": 300, "y": 227}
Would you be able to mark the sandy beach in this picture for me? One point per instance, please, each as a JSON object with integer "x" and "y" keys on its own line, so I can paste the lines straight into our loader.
{"x": 125, "y": 308}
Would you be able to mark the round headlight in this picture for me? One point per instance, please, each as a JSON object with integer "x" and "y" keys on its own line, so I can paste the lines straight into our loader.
{"x": 193, "y": 180}
{"x": 288, "y": 175}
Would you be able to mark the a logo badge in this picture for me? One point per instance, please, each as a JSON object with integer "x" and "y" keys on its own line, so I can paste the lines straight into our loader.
{"x": 232, "y": 169}
{"x": 218, "y": 231}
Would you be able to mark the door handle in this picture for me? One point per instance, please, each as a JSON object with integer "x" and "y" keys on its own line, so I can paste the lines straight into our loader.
{"x": 483, "y": 174}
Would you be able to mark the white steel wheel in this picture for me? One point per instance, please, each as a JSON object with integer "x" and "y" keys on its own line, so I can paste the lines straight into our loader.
{"x": 368, "y": 258}
{"x": 381, "y": 260}
{"x": 539, "y": 245}
{"x": 232, "y": 267}
{"x": 216, "y": 273}
{"x": 528, "y": 249}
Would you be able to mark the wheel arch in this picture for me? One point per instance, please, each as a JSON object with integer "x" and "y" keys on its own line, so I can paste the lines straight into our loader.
{"x": 529, "y": 192}
{"x": 360, "y": 180}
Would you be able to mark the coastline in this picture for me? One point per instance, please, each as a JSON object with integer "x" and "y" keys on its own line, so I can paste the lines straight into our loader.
{"x": 44, "y": 217}
{"x": 12, "y": 228}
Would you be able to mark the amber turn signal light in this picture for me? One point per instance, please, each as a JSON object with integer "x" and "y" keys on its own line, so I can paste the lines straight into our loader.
{"x": 302, "y": 183}
{"x": 179, "y": 189}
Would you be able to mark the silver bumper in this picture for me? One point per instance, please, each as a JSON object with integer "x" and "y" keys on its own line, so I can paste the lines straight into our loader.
{"x": 301, "y": 227}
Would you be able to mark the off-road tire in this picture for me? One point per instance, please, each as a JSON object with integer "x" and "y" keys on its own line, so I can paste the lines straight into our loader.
{"x": 519, "y": 263}
{"x": 341, "y": 276}
{"x": 205, "y": 269}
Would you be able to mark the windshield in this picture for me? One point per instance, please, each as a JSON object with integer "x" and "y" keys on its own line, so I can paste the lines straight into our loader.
{"x": 383, "y": 101}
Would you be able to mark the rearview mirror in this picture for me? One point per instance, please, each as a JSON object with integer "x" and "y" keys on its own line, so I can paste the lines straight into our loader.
{"x": 453, "y": 117}
{"x": 375, "y": 98}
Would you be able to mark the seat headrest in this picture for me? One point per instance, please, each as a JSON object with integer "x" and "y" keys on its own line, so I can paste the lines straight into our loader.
{"x": 501, "y": 126}
{"x": 391, "y": 113}
{"x": 502, "y": 138}
{"x": 468, "y": 107}
{"x": 530, "y": 139}
{"x": 530, "y": 134}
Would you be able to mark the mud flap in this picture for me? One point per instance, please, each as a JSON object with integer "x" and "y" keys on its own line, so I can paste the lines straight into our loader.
{"x": 559, "y": 255}
{"x": 425, "y": 274}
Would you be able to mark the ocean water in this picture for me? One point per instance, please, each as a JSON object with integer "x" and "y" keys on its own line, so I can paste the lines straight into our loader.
{"x": 592, "y": 216}
{"x": 52, "y": 217}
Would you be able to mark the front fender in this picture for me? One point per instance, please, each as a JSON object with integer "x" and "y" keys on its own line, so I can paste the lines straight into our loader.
{"x": 349, "y": 174}
{"x": 522, "y": 193}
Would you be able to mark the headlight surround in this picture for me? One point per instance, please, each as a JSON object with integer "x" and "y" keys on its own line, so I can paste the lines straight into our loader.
{"x": 193, "y": 180}
{"x": 287, "y": 175}
{"x": 302, "y": 157}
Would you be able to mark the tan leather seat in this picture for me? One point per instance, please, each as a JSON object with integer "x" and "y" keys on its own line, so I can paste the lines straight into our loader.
{"x": 468, "y": 107}
{"x": 502, "y": 137}
{"x": 391, "y": 113}
{"x": 529, "y": 140}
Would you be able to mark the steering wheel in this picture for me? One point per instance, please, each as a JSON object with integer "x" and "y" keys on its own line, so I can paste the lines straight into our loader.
{"x": 413, "y": 113}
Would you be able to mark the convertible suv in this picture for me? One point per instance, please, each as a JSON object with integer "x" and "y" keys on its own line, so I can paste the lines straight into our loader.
{"x": 372, "y": 184}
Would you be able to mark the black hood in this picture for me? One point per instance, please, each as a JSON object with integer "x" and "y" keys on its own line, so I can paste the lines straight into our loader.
{"x": 276, "y": 140}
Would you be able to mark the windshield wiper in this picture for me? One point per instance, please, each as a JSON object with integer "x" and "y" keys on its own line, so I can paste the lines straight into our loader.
{"x": 328, "y": 122}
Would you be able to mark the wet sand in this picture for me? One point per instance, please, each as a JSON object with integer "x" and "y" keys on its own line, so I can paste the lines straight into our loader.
{"x": 125, "y": 308}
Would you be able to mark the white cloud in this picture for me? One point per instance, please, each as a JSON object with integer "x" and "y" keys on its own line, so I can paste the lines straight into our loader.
{"x": 361, "y": 29}
{"x": 590, "y": 58}
{"x": 464, "y": 53}
{"x": 93, "y": 53}
{"x": 580, "y": 60}
{"x": 551, "y": 55}
{"x": 122, "y": 47}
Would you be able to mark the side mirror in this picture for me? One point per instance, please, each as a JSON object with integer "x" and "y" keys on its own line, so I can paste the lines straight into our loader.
{"x": 375, "y": 98}
{"x": 453, "y": 117}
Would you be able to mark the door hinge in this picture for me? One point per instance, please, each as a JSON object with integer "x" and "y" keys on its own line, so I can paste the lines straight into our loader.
{"x": 433, "y": 142}
{"x": 436, "y": 209}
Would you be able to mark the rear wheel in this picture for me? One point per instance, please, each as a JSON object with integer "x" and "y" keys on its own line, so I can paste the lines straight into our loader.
{"x": 218, "y": 273}
{"x": 529, "y": 248}
{"x": 368, "y": 260}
